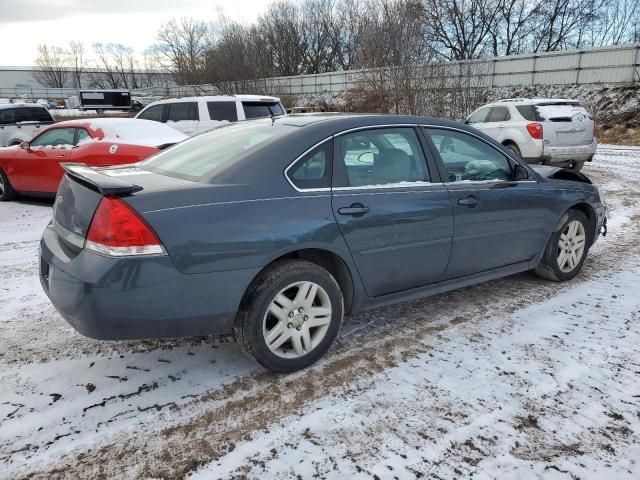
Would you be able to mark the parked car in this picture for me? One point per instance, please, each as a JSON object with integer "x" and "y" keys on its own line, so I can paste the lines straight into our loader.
{"x": 273, "y": 229}
{"x": 48, "y": 104}
{"x": 193, "y": 115}
{"x": 540, "y": 130}
{"x": 21, "y": 121}
{"x": 33, "y": 167}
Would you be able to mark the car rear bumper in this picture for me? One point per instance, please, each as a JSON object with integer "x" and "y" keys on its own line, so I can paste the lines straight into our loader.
{"x": 136, "y": 298}
{"x": 568, "y": 154}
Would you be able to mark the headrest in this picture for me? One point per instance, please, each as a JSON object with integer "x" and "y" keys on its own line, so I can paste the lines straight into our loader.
{"x": 392, "y": 166}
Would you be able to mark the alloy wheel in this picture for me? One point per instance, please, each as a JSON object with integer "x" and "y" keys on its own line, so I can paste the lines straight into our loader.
{"x": 1, "y": 185}
{"x": 297, "y": 320}
{"x": 571, "y": 246}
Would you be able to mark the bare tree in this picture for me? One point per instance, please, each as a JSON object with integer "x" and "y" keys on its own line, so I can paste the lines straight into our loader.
{"x": 52, "y": 66}
{"x": 182, "y": 47}
{"x": 77, "y": 62}
{"x": 515, "y": 22}
{"x": 461, "y": 27}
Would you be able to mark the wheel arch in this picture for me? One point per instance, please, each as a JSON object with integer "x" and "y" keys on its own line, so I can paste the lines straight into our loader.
{"x": 327, "y": 259}
{"x": 590, "y": 213}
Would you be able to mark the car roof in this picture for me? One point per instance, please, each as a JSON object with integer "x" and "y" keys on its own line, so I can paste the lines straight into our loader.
{"x": 21, "y": 105}
{"x": 531, "y": 101}
{"x": 218, "y": 98}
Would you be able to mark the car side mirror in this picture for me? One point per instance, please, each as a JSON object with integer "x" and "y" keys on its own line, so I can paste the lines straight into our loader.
{"x": 520, "y": 173}
{"x": 25, "y": 145}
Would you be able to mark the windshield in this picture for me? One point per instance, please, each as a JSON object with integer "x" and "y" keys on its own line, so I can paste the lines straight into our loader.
{"x": 199, "y": 157}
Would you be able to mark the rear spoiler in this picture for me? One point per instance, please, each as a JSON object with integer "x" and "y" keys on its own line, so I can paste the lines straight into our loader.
{"x": 96, "y": 180}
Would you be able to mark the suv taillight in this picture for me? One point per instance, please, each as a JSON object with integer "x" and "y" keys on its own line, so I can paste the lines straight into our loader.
{"x": 117, "y": 230}
{"x": 535, "y": 130}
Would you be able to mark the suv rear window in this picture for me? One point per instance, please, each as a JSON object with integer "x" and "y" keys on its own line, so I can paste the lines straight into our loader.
{"x": 223, "y": 111}
{"x": 528, "y": 112}
{"x": 261, "y": 109}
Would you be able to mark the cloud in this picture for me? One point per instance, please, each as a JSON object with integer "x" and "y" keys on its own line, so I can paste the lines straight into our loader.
{"x": 25, "y": 10}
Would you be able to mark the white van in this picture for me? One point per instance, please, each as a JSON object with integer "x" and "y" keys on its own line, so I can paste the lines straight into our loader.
{"x": 19, "y": 122}
{"x": 193, "y": 115}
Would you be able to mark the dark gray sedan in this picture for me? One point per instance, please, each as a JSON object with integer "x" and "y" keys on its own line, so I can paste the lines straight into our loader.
{"x": 275, "y": 229}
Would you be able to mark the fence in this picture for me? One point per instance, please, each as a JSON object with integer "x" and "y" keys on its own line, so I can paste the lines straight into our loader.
{"x": 613, "y": 64}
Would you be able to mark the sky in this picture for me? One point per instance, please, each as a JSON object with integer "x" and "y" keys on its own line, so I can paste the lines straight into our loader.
{"x": 24, "y": 24}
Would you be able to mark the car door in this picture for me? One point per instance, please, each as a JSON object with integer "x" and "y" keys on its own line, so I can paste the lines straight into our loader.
{"x": 496, "y": 123}
{"x": 500, "y": 219}
{"x": 393, "y": 212}
{"x": 37, "y": 168}
{"x": 183, "y": 116}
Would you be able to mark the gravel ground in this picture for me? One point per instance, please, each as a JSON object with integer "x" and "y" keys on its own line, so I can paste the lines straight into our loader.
{"x": 516, "y": 378}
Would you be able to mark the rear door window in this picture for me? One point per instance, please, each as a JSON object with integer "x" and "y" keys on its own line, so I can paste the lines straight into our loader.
{"x": 528, "y": 112}
{"x": 223, "y": 111}
{"x": 499, "y": 114}
{"x": 382, "y": 157}
{"x": 7, "y": 116}
{"x": 153, "y": 113}
{"x": 181, "y": 111}
{"x": 261, "y": 109}
{"x": 33, "y": 115}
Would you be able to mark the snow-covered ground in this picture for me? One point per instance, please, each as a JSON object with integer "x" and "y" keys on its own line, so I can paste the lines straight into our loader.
{"x": 516, "y": 378}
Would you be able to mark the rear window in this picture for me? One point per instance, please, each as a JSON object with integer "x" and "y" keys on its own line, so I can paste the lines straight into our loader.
{"x": 262, "y": 109}
{"x": 562, "y": 112}
{"x": 528, "y": 112}
{"x": 223, "y": 111}
{"x": 32, "y": 114}
{"x": 201, "y": 156}
{"x": 181, "y": 111}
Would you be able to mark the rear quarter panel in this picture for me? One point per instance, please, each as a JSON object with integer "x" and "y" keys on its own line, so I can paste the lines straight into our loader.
{"x": 104, "y": 154}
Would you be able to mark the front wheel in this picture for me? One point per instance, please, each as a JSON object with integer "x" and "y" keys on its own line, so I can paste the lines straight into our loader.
{"x": 290, "y": 316}
{"x": 6, "y": 190}
{"x": 567, "y": 249}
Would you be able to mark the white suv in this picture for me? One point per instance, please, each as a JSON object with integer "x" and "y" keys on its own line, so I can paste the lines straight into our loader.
{"x": 549, "y": 131}
{"x": 19, "y": 122}
{"x": 193, "y": 115}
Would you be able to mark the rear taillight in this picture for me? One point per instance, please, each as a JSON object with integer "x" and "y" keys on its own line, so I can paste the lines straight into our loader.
{"x": 117, "y": 230}
{"x": 535, "y": 130}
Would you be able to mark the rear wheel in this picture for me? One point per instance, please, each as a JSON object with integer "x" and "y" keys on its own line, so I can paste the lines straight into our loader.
{"x": 6, "y": 190}
{"x": 514, "y": 148}
{"x": 567, "y": 249}
{"x": 576, "y": 166}
{"x": 290, "y": 316}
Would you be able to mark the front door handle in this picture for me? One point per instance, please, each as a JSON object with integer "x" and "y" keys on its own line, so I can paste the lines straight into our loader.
{"x": 355, "y": 210}
{"x": 470, "y": 201}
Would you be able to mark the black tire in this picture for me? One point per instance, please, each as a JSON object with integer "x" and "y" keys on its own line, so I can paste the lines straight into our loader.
{"x": 248, "y": 327}
{"x": 549, "y": 267}
{"x": 577, "y": 166}
{"x": 514, "y": 148}
{"x": 7, "y": 192}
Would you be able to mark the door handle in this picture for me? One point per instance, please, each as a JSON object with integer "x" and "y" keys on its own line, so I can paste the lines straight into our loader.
{"x": 470, "y": 201}
{"x": 355, "y": 210}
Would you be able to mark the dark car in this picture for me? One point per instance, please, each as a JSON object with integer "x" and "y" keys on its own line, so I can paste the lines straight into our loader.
{"x": 274, "y": 229}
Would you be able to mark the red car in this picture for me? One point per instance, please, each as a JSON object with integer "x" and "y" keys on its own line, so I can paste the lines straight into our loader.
{"x": 33, "y": 168}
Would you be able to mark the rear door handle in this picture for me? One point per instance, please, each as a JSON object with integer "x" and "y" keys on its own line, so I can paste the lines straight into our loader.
{"x": 470, "y": 201}
{"x": 355, "y": 210}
